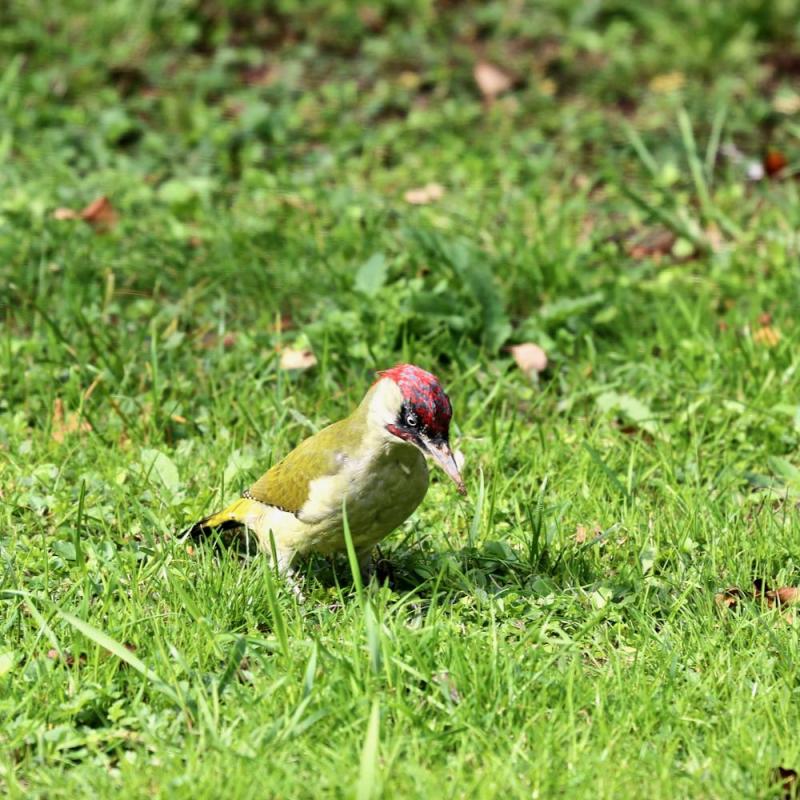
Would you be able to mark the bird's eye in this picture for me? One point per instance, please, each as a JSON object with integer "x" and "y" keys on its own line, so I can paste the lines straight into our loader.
{"x": 411, "y": 420}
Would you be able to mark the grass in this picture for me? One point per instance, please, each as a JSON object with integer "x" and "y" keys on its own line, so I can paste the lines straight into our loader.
{"x": 555, "y": 633}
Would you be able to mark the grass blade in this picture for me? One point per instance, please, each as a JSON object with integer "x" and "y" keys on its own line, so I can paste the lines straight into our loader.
{"x": 235, "y": 658}
{"x": 352, "y": 558}
{"x": 475, "y": 525}
{"x": 80, "y": 559}
{"x": 278, "y": 621}
{"x": 368, "y": 767}
{"x": 114, "y": 647}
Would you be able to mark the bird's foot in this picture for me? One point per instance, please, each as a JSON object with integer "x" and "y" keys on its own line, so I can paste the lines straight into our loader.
{"x": 293, "y": 583}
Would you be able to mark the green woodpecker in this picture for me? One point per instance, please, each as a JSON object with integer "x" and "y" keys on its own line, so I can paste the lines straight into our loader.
{"x": 373, "y": 462}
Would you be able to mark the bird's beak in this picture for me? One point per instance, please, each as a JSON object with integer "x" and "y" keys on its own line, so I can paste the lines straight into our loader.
{"x": 442, "y": 454}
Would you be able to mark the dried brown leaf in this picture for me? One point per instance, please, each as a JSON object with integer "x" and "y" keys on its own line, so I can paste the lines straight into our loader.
{"x": 785, "y": 596}
{"x": 65, "y": 424}
{"x": 65, "y": 213}
{"x": 767, "y": 335}
{"x": 651, "y": 243}
{"x": 730, "y": 597}
{"x": 530, "y": 358}
{"x": 297, "y": 359}
{"x": 66, "y": 657}
{"x": 491, "y": 80}
{"x": 100, "y": 214}
{"x": 424, "y": 194}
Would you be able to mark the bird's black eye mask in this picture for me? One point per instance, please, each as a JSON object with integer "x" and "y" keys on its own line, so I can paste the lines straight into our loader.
{"x": 411, "y": 426}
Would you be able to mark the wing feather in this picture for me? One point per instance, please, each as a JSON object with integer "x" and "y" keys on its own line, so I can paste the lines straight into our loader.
{"x": 286, "y": 484}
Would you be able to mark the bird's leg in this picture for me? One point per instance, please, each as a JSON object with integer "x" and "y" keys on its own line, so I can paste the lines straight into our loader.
{"x": 283, "y": 562}
{"x": 366, "y": 564}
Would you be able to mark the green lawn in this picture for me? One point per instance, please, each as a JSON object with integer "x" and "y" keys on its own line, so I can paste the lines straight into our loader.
{"x": 556, "y": 633}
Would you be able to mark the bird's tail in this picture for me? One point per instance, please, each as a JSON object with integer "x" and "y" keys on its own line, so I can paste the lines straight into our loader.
{"x": 233, "y": 516}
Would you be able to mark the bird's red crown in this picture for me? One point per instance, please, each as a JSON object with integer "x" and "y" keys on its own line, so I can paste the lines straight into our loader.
{"x": 424, "y": 394}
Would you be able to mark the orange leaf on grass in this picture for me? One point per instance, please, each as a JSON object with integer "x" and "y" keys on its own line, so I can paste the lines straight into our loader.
{"x": 65, "y": 424}
{"x": 767, "y": 335}
{"x": 530, "y": 358}
{"x": 424, "y": 194}
{"x": 297, "y": 359}
{"x": 491, "y": 80}
{"x": 100, "y": 214}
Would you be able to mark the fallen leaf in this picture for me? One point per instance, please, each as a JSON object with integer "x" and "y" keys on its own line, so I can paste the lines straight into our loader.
{"x": 787, "y": 779}
{"x": 774, "y": 162}
{"x": 530, "y": 357}
{"x": 424, "y": 194}
{"x": 100, "y": 214}
{"x": 785, "y": 596}
{"x": 668, "y": 82}
{"x": 729, "y": 598}
{"x": 652, "y": 243}
{"x": 297, "y": 359}
{"x": 66, "y": 656}
{"x": 63, "y": 425}
{"x": 774, "y": 598}
{"x": 767, "y": 336}
{"x": 582, "y": 533}
{"x": 491, "y": 80}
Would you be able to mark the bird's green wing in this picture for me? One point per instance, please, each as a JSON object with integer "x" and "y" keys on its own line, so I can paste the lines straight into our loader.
{"x": 286, "y": 485}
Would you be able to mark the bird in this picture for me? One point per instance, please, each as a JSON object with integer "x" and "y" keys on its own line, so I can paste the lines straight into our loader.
{"x": 372, "y": 464}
